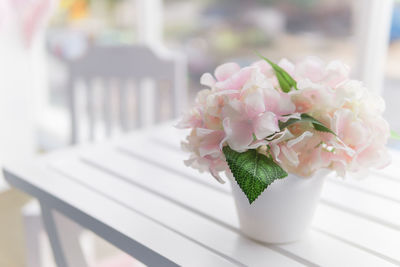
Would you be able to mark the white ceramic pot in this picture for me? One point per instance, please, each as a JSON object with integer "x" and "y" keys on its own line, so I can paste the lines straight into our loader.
{"x": 283, "y": 212}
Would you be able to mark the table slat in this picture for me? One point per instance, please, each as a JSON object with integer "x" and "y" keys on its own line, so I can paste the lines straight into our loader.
{"x": 139, "y": 186}
{"x": 191, "y": 225}
{"x": 217, "y": 205}
{"x": 45, "y": 184}
{"x": 369, "y": 204}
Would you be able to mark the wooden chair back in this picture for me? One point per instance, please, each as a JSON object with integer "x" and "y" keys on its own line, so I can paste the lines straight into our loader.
{"x": 124, "y": 87}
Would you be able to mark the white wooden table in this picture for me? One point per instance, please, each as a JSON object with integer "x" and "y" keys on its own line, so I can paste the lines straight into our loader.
{"x": 136, "y": 193}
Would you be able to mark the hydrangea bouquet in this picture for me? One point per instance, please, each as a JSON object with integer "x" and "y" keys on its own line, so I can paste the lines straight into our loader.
{"x": 262, "y": 121}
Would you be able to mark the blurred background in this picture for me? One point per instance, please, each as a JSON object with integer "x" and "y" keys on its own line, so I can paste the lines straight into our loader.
{"x": 40, "y": 39}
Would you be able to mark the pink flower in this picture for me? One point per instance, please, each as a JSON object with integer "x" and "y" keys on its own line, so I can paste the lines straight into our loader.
{"x": 242, "y": 108}
{"x": 311, "y": 68}
{"x": 225, "y": 71}
{"x": 239, "y": 127}
{"x": 316, "y": 71}
{"x": 205, "y": 146}
{"x": 236, "y": 81}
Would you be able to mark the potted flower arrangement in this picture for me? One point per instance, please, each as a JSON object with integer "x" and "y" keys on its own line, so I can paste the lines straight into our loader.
{"x": 276, "y": 131}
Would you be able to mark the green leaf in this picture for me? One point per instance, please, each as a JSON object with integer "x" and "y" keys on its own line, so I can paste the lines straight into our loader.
{"x": 286, "y": 81}
{"x": 307, "y": 118}
{"x": 394, "y": 135}
{"x": 254, "y": 137}
{"x": 253, "y": 171}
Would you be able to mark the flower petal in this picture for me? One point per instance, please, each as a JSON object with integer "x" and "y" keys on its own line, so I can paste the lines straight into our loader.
{"x": 335, "y": 73}
{"x": 207, "y": 80}
{"x": 291, "y": 116}
{"x": 265, "y": 125}
{"x": 254, "y": 103}
{"x": 226, "y": 70}
{"x": 290, "y": 155}
{"x": 216, "y": 175}
{"x": 239, "y": 134}
{"x": 236, "y": 81}
{"x": 298, "y": 139}
{"x": 210, "y": 144}
{"x": 310, "y": 68}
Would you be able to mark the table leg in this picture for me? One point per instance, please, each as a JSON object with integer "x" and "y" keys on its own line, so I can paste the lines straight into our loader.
{"x": 64, "y": 238}
{"x": 33, "y": 227}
